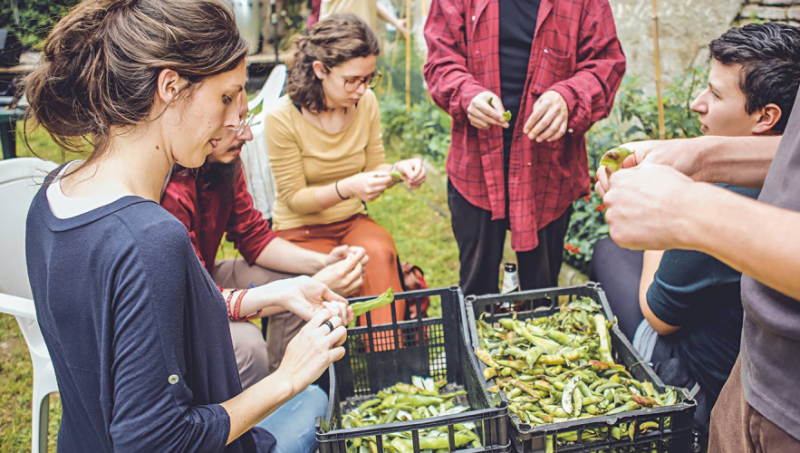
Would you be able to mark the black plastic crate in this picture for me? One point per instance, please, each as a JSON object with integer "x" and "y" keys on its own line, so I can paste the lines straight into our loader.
{"x": 427, "y": 347}
{"x": 678, "y": 437}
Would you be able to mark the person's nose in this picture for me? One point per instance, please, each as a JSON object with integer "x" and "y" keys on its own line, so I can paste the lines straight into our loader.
{"x": 699, "y": 104}
{"x": 246, "y": 134}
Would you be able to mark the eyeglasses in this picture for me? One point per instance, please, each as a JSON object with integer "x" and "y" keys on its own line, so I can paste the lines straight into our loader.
{"x": 246, "y": 122}
{"x": 352, "y": 84}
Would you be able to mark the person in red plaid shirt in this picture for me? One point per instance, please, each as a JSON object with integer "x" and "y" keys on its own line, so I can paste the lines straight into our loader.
{"x": 556, "y": 66}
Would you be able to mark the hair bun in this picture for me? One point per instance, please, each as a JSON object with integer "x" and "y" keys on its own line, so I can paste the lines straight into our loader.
{"x": 100, "y": 63}
{"x": 112, "y": 5}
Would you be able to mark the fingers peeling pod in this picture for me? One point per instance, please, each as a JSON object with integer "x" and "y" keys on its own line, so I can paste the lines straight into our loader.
{"x": 613, "y": 158}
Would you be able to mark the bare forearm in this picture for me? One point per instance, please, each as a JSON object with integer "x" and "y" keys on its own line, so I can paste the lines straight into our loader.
{"x": 328, "y": 196}
{"x": 741, "y": 161}
{"x": 257, "y": 402}
{"x": 387, "y": 16}
{"x": 253, "y": 300}
{"x": 757, "y": 239}
{"x": 302, "y": 262}
{"x": 650, "y": 264}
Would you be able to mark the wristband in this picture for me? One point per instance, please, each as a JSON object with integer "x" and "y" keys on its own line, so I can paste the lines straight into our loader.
{"x": 228, "y": 304}
{"x": 237, "y": 310}
{"x": 336, "y": 186}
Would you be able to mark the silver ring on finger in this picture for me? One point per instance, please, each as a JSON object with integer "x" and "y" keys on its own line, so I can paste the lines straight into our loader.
{"x": 329, "y": 324}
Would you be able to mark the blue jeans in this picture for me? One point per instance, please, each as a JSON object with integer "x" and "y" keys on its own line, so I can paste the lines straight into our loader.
{"x": 293, "y": 423}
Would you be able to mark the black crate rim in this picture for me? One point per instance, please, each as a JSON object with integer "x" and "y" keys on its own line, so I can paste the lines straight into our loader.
{"x": 527, "y": 432}
{"x": 498, "y": 415}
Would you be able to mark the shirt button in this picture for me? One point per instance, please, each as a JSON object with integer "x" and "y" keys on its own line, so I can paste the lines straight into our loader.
{"x": 529, "y": 164}
{"x": 173, "y": 379}
{"x": 570, "y": 130}
{"x": 546, "y": 51}
{"x": 473, "y": 18}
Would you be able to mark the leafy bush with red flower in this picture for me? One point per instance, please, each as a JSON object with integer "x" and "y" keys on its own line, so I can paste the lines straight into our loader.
{"x": 634, "y": 117}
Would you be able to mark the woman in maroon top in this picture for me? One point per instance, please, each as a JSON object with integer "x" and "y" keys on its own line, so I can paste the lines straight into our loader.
{"x": 213, "y": 201}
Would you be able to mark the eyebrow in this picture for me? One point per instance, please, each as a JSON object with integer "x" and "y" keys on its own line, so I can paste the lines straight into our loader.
{"x": 360, "y": 77}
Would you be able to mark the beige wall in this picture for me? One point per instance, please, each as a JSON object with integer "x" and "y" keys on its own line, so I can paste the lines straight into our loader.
{"x": 685, "y": 29}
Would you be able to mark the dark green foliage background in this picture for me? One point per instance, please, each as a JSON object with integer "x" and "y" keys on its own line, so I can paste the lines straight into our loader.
{"x": 32, "y": 20}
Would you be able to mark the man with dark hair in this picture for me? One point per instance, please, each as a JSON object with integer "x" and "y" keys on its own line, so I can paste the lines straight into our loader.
{"x": 661, "y": 203}
{"x": 760, "y": 62}
{"x": 686, "y": 317}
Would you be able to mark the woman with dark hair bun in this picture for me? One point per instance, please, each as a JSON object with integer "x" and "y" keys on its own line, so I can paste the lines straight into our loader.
{"x": 137, "y": 330}
{"x": 326, "y": 152}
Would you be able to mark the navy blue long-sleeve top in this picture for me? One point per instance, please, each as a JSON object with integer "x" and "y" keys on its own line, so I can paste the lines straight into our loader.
{"x": 137, "y": 331}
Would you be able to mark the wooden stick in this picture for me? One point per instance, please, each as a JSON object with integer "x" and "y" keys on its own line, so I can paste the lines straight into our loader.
{"x": 662, "y": 133}
{"x": 408, "y": 59}
{"x": 394, "y": 55}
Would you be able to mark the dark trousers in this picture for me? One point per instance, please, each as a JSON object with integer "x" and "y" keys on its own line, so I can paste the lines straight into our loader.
{"x": 619, "y": 270}
{"x": 480, "y": 248}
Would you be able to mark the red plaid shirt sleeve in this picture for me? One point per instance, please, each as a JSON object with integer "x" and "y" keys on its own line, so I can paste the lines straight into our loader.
{"x": 600, "y": 66}
{"x": 450, "y": 83}
{"x": 246, "y": 228}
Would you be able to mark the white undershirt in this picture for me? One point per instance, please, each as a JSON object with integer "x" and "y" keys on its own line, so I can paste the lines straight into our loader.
{"x": 65, "y": 207}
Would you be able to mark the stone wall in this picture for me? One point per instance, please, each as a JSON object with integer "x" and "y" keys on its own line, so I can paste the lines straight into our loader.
{"x": 775, "y": 10}
{"x": 685, "y": 29}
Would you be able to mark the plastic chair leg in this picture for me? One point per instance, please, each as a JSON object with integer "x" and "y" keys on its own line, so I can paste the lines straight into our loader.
{"x": 40, "y": 419}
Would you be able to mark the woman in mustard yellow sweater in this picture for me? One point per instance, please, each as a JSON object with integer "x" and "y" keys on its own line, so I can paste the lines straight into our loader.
{"x": 326, "y": 151}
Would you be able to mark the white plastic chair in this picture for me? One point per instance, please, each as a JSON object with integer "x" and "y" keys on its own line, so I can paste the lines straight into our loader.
{"x": 18, "y": 185}
{"x": 272, "y": 88}
{"x": 258, "y": 174}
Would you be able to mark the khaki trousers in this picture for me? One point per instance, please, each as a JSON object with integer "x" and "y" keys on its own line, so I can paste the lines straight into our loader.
{"x": 738, "y": 428}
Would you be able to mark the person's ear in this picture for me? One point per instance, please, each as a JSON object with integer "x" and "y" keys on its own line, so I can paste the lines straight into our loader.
{"x": 767, "y": 119}
{"x": 170, "y": 84}
{"x": 319, "y": 70}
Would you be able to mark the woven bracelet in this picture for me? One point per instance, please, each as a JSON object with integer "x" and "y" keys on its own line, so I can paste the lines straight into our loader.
{"x": 336, "y": 186}
{"x": 228, "y": 304}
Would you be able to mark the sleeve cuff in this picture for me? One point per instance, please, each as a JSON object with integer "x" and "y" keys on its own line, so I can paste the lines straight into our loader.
{"x": 468, "y": 92}
{"x": 269, "y": 237}
{"x": 575, "y": 115}
{"x": 661, "y": 310}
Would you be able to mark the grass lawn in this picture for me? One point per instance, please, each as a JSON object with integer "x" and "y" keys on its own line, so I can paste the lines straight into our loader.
{"x": 419, "y": 222}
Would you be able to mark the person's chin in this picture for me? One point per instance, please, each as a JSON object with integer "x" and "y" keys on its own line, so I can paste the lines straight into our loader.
{"x": 228, "y": 159}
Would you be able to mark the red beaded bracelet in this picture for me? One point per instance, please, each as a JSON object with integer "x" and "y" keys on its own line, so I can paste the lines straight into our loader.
{"x": 228, "y": 305}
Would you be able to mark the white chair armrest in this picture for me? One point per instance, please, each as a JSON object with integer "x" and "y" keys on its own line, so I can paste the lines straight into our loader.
{"x": 17, "y": 306}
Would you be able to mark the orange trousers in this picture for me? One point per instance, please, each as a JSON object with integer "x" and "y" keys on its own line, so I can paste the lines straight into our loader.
{"x": 359, "y": 230}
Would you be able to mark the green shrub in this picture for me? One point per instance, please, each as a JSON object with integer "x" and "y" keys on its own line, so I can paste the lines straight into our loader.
{"x": 634, "y": 117}
{"x": 425, "y": 131}
{"x": 32, "y": 20}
